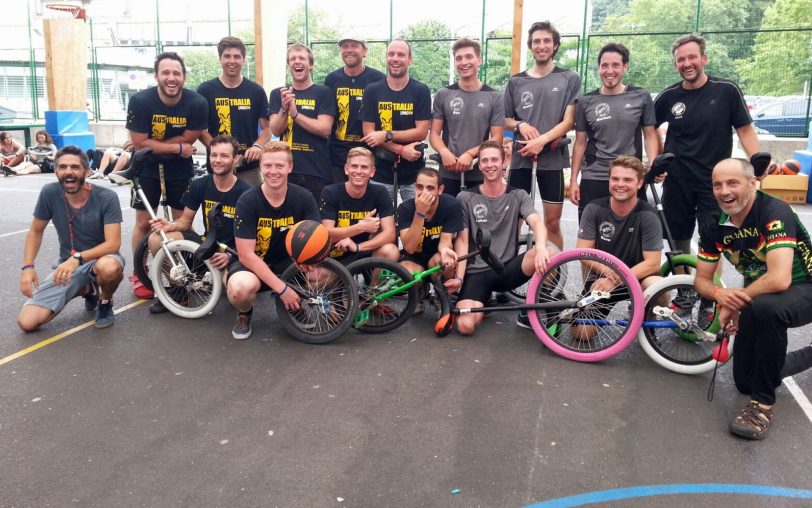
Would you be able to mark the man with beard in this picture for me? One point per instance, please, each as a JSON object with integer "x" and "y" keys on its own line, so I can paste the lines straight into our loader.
{"x": 465, "y": 114}
{"x": 763, "y": 238}
{"x": 221, "y": 186}
{"x": 237, "y": 106}
{"x": 348, "y": 83}
{"x": 167, "y": 119}
{"x": 540, "y": 108}
{"x": 87, "y": 220}
{"x": 700, "y": 111}
{"x": 608, "y": 124}
{"x": 396, "y": 114}
{"x": 302, "y": 116}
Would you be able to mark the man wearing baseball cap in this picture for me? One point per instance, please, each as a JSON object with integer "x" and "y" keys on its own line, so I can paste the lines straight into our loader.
{"x": 348, "y": 83}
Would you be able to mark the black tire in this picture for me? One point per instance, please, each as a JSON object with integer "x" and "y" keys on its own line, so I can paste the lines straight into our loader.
{"x": 376, "y": 276}
{"x": 328, "y": 305}
{"x": 192, "y": 288}
{"x": 142, "y": 257}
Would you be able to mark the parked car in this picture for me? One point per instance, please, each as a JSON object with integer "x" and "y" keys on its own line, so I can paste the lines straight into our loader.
{"x": 784, "y": 118}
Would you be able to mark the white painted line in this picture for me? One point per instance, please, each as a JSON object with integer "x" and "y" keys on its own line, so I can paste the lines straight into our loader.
{"x": 799, "y": 396}
{"x": 20, "y": 231}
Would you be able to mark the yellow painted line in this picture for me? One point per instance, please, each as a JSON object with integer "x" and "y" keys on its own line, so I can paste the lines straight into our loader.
{"x": 51, "y": 340}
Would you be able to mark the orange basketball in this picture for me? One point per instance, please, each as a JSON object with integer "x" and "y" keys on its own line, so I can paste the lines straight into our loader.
{"x": 308, "y": 242}
{"x": 790, "y": 167}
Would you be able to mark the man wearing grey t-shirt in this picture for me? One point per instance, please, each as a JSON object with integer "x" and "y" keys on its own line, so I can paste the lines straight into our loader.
{"x": 465, "y": 114}
{"x": 608, "y": 124}
{"x": 540, "y": 108}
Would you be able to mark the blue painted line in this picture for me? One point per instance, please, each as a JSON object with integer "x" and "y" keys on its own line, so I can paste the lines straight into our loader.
{"x": 603, "y": 496}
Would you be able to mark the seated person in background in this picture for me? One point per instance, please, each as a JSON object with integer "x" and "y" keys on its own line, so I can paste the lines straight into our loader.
{"x": 358, "y": 215}
{"x": 219, "y": 186}
{"x": 622, "y": 225}
{"x": 428, "y": 224}
{"x": 40, "y": 156}
{"x": 113, "y": 160}
{"x": 12, "y": 154}
{"x": 497, "y": 208}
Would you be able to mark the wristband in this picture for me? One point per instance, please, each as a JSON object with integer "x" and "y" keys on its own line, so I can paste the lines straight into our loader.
{"x": 421, "y": 215}
{"x": 714, "y": 291}
{"x": 296, "y": 115}
{"x": 29, "y": 266}
{"x": 283, "y": 291}
{"x": 518, "y": 125}
{"x": 357, "y": 247}
{"x": 257, "y": 145}
{"x": 399, "y": 150}
{"x": 180, "y": 148}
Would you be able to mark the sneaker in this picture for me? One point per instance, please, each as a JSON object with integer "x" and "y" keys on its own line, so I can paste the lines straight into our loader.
{"x": 104, "y": 314}
{"x": 242, "y": 329}
{"x": 96, "y": 175}
{"x": 139, "y": 290}
{"x": 753, "y": 421}
{"x": 91, "y": 298}
{"x": 157, "y": 307}
{"x": 8, "y": 171}
{"x": 523, "y": 320}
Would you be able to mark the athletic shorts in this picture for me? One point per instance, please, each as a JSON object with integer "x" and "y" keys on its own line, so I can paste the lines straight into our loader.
{"x": 683, "y": 202}
{"x": 278, "y": 269}
{"x": 550, "y": 183}
{"x": 175, "y": 189}
{"x": 54, "y": 297}
{"x": 478, "y": 286}
{"x": 351, "y": 257}
{"x": 416, "y": 258}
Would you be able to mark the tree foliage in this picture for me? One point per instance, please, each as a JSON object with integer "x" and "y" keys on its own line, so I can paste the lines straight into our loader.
{"x": 782, "y": 60}
{"x": 432, "y": 62}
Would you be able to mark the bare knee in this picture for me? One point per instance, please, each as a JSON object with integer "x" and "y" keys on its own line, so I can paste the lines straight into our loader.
{"x": 108, "y": 269}
{"x": 242, "y": 288}
{"x": 31, "y": 317}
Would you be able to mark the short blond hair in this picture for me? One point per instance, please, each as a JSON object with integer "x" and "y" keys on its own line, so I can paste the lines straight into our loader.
{"x": 360, "y": 151}
{"x": 277, "y": 146}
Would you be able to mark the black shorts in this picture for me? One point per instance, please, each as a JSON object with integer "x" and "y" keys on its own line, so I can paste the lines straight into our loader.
{"x": 313, "y": 184}
{"x": 175, "y": 189}
{"x": 550, "y": 182}
{"x": 416, "y": 258}
{"x": 479, "y": 286}
{"x": 350, "y": 257}
{"x": 683, "y": 202}
{"x": 452, "y": 187}
{"x": 278, "y": 269}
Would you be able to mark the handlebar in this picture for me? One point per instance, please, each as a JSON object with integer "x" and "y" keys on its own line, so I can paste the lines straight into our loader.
{"x": 210, "y": 245}
{"x": 760, "y": 162}
{"x": 393, "y": 157}
{"x": 137, "y": 163}
{"x": 661, "y": 164}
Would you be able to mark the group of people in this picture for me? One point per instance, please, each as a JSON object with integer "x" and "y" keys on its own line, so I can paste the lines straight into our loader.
{"x": 17, "y": 160}
{"x": 330, "y": 164}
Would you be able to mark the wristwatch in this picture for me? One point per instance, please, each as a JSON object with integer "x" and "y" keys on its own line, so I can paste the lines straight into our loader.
{"x": 78, "y": 257}
{"x": 389, "y": 135}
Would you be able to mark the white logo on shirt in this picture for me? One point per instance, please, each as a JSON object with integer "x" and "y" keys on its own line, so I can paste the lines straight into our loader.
{"x": 602, "y": 112}
{"x": 456, "y": 105}
{"x": 481, "y": 213}
{"x": 527, "y": 100}
{"x": 678, "y": 110}
{"x": 481, "y": 105}
{"x": 607, "y": 231}
{"x": 555, "y": 89}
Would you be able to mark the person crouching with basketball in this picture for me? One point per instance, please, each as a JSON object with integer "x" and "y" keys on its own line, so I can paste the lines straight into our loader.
{"x": 358, "y": 215}
{"x": 263, "y": 216}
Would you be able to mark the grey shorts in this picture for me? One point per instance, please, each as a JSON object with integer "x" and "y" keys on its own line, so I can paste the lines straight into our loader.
{"x": 54, "y": 297}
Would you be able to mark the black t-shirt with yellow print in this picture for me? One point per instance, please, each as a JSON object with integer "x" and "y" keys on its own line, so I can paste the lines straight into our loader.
{"x": 769, "y": 225}
{"x": 337, "y": 205}
{"x": 396, "y": 111}
{"x": 447, "y": 218}
{"x": 235, "y": 111}
{"x": 202, "y": 191}
{"x": 310, "y": 152}
{"x": 257, "y": 220}
{"x": 147, "y": 114}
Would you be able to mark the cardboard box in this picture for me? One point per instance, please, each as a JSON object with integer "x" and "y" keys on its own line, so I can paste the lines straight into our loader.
{"x": 788, "y": 188}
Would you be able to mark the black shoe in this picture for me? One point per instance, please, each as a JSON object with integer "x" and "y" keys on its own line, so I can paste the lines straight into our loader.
{"x": 523, "y": 320}
{"x": 157, "y": 307}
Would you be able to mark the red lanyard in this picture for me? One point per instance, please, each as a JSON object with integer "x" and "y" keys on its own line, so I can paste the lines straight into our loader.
{"x": 72, "y": 217}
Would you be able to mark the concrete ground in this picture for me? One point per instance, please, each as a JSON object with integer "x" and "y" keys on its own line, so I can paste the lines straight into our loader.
{"x": 159, "y": 411}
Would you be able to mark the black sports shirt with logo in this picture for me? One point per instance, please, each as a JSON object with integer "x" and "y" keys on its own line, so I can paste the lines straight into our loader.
{"x": 448, "y": 218}
{"x": 337, "y": 205}
{"x": 235, "y": 111}
{"x": 202, "y": 191}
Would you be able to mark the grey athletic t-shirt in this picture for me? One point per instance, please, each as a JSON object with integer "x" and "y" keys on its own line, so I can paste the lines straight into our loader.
{"x": 614, "y": 126}
{"x": 541, "y": 102}
{"x": 500, "y": 216}
{"x": 102, "y": 208}
{"x": 467, "y": 119}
